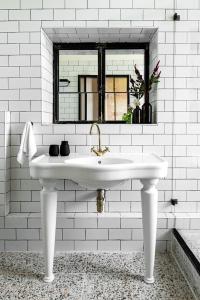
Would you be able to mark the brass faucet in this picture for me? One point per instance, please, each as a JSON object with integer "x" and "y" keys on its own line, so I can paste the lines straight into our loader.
{"x": 99, "y": 151}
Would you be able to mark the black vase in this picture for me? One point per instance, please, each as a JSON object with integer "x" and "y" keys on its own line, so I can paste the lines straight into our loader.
{"x": 137, "y": 115}
{"x": 146, "y": 113}
{"x": 53, "y": 150}
{"x": 64, "y": 148}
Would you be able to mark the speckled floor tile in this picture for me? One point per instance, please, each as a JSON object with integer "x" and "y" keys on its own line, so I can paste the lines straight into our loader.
{"x": 128, "y": 263}
{"x": 72, "y": 262}
{"x": 65, "y": 286}
{"x": 125, "y": 281}
{"x": 90, "y": 276}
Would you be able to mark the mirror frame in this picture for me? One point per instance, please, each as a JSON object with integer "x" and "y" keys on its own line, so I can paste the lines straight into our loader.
{"x": 100, "y": 47}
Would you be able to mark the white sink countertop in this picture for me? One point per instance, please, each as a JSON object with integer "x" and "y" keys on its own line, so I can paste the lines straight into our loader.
{"x": 99, "y": 172}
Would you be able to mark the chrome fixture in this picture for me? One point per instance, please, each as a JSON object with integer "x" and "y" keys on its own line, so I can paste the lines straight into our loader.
{"x": 99, "y": 151}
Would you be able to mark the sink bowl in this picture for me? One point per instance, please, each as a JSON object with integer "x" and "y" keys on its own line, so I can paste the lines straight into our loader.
{"x": 95, "y": 161}
{"x": 99, "y": 172}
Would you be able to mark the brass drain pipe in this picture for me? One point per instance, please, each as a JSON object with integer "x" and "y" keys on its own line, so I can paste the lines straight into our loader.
{"x": 100, "y": 200}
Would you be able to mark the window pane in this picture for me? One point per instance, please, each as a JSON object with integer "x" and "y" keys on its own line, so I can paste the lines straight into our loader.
{"x": 122, "y": 61}
{"x": 78, "y": 107}
{"x": 89, "y": 99}
{"x": 74, "y": 66}
{"x": 116, "y": 97}
{"x": 68, "y": 107}
{"x": 115, "y": 106}
{"x": 119, "y": 69}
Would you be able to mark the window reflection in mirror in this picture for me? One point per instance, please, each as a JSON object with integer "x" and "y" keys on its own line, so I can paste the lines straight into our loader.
{"x": 88, "y": 98}
{"x": 116, "y": 96}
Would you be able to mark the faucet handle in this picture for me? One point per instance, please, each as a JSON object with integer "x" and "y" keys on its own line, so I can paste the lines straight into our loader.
{"x": 106, "y": 149}
{"x": 93, "y": 150}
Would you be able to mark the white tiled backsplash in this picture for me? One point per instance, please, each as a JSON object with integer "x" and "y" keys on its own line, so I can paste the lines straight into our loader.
{"x": 23, "y": 61}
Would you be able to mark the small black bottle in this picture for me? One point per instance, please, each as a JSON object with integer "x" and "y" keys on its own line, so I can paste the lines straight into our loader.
{"x": 137, "y": 114}
{"x": 64, "y": 148}
{"x": 147, "y": 111}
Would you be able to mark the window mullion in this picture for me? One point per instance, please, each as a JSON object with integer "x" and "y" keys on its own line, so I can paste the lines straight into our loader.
{"x": 103, "y": 76}
{"x": 101, "y": 81}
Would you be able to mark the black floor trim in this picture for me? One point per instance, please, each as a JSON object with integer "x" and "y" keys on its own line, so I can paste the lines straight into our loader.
{"x": 187, "y": 251}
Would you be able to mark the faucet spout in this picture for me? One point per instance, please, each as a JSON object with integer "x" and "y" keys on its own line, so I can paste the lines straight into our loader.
{"x": 99, "y": 151}
{"x": 99, "y": 132}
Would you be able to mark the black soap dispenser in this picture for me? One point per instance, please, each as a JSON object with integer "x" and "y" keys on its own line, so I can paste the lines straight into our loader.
{"x": 64, "y": 148}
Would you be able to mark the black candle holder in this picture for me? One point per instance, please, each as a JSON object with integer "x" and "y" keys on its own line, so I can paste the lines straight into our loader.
{"x": 54, "y": 150}
{"x": 64, "y": 148}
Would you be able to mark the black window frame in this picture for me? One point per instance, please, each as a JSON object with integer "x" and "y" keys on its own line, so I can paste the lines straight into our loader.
{"x": 101, "y": 48}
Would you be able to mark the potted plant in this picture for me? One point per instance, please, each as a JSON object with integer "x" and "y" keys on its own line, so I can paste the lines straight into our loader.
{"x": 139, "y": 89}
{"x": 127, "y": 117}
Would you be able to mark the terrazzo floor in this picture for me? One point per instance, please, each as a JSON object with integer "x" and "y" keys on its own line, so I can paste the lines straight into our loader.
{"x": 86, "y": 276}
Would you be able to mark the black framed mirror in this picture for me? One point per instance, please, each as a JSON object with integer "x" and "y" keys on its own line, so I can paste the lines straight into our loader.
{"x": 92, "y": 80}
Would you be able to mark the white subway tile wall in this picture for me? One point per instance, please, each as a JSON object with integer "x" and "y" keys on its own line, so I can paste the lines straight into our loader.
{"x": 26, "y": 94}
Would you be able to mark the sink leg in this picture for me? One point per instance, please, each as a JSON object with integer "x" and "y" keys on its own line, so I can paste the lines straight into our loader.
{"x": 48, "y": 196}
{"x": 149, "y": 195}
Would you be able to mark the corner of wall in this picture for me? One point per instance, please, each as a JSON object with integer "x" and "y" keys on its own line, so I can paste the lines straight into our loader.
{"x": 153, "y": 59}
{"x": 5, "y": 163}
{"x": 46, "y": 78}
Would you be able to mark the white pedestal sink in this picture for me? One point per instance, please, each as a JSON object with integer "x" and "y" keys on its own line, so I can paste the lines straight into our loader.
{"x": 99, "y": 173}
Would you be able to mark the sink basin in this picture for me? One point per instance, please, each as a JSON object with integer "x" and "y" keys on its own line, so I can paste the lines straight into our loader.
{"x": 95, "y": 161}
{"x": 99, "y": 172}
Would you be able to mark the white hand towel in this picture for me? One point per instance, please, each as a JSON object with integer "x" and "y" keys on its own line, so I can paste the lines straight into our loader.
{"x": 28, "y": 146}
